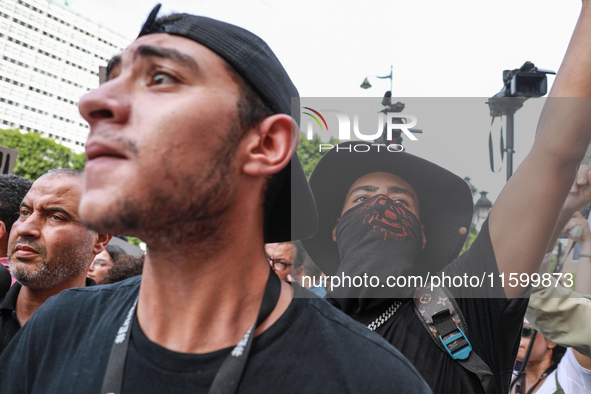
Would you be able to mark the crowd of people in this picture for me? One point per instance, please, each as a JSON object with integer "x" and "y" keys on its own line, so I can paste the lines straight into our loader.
{"x": 243, "y": 285}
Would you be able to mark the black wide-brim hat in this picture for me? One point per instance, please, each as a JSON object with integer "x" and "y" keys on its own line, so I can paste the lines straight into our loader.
{"x": 445, "y": 201}
{"x": 289, "y": 210}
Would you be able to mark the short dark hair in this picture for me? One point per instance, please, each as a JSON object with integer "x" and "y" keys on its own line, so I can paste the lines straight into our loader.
{"x": 125, "y": 266}
{"x": 557, "y": 353}
{"x": 251, "y": 108}
{"x": 114, "y": 251}
{"x": 251, "y": 111}
{"x": 13, "y": 189}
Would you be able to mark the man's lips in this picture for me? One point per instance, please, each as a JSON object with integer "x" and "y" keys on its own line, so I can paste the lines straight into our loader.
{"x": 25, "y": 251}
{"x": 96, "y": 149}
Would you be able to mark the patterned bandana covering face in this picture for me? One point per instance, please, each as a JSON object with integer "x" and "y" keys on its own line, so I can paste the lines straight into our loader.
{"x": 376, "y": 238}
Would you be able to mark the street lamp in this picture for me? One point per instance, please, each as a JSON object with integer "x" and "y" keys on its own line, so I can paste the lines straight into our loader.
{"x": 396, "y": 137}
{"x": 367, "y": 85}
{"x": 483, "y": 206}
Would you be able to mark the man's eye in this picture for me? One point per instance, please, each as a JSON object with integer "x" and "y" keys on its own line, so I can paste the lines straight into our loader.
{"x": 56, "y": 218}
{"x": 400, "y": 201}
{"x": 24, "y": 213}
{"x": 161, "y": 79}
{"x": 360, "y": 199}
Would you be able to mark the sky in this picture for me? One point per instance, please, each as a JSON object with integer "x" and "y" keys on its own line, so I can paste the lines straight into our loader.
{"x": 451, "y": 49}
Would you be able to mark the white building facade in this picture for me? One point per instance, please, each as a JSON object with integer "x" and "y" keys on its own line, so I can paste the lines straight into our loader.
{"x": 49, "y": 58}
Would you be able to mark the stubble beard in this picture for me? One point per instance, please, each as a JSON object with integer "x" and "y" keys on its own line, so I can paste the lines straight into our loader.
{"x": 49, "y": 274}
{"x": 189, "y": 210}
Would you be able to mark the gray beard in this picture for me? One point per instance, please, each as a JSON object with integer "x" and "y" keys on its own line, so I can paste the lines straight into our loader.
{"x": 51, "y": 274}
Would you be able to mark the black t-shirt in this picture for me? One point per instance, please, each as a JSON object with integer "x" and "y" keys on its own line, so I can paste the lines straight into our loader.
{"x": 9, "y": 323}
{"x": 312, "y": 348}
{"x": 494, "y": 326}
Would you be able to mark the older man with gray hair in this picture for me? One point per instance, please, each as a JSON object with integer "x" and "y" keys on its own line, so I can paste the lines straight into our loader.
{"x": 49, "y": 249}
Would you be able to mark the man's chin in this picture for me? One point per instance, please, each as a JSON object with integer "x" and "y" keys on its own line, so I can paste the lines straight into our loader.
{"x": 95, "y": 214}
{"x": 105, "y": 215}
{"x": 89, "y": 212}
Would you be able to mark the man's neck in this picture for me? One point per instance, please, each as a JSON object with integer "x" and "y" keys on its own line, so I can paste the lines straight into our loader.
{"x": 197, "y": 302}
{"x": 29, "y": 300}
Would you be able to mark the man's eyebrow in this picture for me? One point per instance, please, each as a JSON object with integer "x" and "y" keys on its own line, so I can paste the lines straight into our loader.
{"x": 391, "y": 189}
{"x": 401, "y": 190}
{"x": 57, "y": 210}
{"x": 50, "y": 209}
{"x": 115, "y": 61}
{"x": 365, "y": 188}
{"x": 167, "y": 53}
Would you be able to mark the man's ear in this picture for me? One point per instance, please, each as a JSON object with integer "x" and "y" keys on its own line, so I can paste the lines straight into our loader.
{"x": 269, "y": 148}
{"x": 101, "y": 243}
{"x": 424, "y": 238}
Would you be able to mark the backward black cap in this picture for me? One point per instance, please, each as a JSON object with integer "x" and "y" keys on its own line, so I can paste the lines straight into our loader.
{"x": 256, "y": 63}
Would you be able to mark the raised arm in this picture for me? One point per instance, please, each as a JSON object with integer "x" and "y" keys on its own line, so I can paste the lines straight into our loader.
{"x": 525, "y": 214}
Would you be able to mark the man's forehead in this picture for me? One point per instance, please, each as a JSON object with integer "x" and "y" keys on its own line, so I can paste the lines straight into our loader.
{"x": 279, "y": 248}
{"x": 186, "y": 46}
{"x": 56, "y": 190}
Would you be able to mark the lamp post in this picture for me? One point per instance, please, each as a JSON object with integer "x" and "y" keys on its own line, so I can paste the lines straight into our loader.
{"x": 389, "y": 108}
{"x": 483, "y": 206}
{"x": 481, "y": 210}
{"x": 367, "y": 85}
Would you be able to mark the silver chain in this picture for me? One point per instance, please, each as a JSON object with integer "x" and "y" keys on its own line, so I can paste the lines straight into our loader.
{"x": 384, "y": 316}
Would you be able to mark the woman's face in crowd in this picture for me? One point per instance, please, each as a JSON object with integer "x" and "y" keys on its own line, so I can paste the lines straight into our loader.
{"x": 541, "y": 348}
{"x": 99, "y": 269}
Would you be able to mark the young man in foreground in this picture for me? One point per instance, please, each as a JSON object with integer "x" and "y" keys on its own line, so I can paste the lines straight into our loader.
{"x": 190, "y": 150}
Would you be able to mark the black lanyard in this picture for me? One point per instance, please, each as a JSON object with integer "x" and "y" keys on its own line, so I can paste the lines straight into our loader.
{"x": 544, "y": 375}
{"x": 227, "y": 378}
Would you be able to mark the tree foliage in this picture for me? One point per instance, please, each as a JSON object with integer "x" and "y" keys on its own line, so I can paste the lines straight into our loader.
{"x": 309, "y": 152}
{"x": 37, "y": 155}
{"x": 470, "y": 239}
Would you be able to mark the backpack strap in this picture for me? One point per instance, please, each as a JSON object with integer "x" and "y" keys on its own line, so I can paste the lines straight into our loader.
{"x": 559, "y": 389}
{"x": 442, "y": 318}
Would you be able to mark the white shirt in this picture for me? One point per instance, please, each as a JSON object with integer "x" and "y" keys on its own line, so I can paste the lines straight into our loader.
{"x": 573, "y": 378}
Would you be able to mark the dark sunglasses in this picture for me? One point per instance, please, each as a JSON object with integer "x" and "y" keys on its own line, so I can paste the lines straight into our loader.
{"x": 527, "y": 331}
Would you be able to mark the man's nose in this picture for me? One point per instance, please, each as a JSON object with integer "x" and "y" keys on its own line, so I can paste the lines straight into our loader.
{"x": 31, "y": 227}
{"x": 108, "y": 103}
